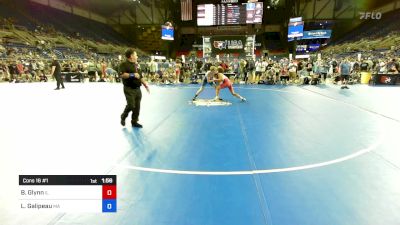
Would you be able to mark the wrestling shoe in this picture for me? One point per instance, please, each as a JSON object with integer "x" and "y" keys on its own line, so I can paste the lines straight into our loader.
{"x": 122, "y": 121}
{"x": 216, "y": 99}
{"x": 243, "y": 99}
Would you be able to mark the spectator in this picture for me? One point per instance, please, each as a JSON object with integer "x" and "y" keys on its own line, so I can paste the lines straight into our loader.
{"x": 345, "y": 68}
{"x": 364, "y": 66}
{"x": 292, "y": 71}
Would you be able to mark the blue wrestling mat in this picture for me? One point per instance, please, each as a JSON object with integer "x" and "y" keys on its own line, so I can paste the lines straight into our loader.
{"x": 290, "y": 155}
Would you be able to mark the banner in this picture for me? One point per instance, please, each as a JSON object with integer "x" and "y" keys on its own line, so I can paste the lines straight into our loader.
{"x": 388, "y": 79}
{"x": 227, "y": 44}
{"x": 186, "y": 10}
{"x": 301, "y": 48}
{"x": 73, "y": 77}
{"x": 313, "y": 47}
{"x": 314, "y": 34}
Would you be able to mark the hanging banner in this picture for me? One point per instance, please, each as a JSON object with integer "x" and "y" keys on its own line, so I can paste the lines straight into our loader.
{"x": 301, "y": 48}
{"x": 315, "y": 34}
{"x": 313, "y": 47}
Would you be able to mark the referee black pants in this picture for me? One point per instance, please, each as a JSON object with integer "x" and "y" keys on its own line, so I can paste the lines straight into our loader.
{"x": 133, "y": 98}
{"x": 59, "y": 80}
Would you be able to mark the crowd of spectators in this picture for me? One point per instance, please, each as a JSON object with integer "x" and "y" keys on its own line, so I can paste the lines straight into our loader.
{"x": 26, "y": 55}
{"x": 20, "y": 70}
{"x": 272, "y": 71}
{"x": 244, "y": 71}
{"x": 25, "y": 62}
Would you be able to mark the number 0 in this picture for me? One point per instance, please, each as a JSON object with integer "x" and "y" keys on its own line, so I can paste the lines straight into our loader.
{"x": 109, "y": 192}
{"x": 109, "y": 206}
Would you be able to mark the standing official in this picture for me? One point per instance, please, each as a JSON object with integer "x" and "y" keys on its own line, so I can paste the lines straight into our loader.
{"x": 56, "y": 72}
{"x": 132, "y": 79}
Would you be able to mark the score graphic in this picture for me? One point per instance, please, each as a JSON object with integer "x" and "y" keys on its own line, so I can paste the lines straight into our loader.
{"x": 68, "y": 193}
{"x": 109, "y": 198}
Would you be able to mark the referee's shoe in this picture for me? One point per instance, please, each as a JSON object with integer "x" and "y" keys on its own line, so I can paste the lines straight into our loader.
{"x": 136, "y": 124}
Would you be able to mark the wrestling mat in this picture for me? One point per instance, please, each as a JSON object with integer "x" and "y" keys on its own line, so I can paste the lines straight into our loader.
{"x": 210, "y": 102}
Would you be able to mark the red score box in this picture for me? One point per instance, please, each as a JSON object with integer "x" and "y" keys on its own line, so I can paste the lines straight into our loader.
{"x": 109, "y": 191}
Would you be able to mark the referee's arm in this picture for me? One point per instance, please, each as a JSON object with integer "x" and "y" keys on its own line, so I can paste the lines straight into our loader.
{"x": 53, "y": 68}
{"x": 122, "y": 71}
{"x": 139, "y": 75}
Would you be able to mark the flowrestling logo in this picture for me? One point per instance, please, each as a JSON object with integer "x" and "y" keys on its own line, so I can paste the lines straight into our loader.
{"x": 228, "y": 44}
{"x": 370, "y": 15}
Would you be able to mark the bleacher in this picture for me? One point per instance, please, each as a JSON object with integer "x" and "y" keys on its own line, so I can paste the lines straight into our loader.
{"x": 373, "y": 29}
{"x": 45, "y": 31}
{"x": 372, "y": 36}
{"x": 15, "y": 14}
{"x": 72, "y": 25}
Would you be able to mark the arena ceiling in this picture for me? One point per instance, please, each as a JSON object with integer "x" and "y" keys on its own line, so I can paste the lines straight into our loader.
{"x": 373, "y": 4}
{"x": 362, "y": 4}
{"x": 106, "y": 8}
{"x": 110, "y": 7}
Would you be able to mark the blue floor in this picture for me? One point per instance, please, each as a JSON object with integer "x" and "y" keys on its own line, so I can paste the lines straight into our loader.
{"x": 290, "y": 155}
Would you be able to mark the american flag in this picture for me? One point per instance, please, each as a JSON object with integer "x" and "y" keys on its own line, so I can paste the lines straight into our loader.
{"x": 186, "y": 10}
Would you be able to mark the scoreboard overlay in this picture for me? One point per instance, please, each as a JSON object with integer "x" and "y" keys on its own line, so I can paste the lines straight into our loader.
{"x": 68, "y": 193}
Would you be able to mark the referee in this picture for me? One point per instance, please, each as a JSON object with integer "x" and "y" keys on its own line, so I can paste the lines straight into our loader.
{"x": 132, "y": 79}
{"x": 56, "y": 72}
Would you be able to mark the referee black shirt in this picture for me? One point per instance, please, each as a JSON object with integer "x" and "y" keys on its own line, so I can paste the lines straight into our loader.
{"x": 57, "y": 71}
{"x": 130, "y": 67}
